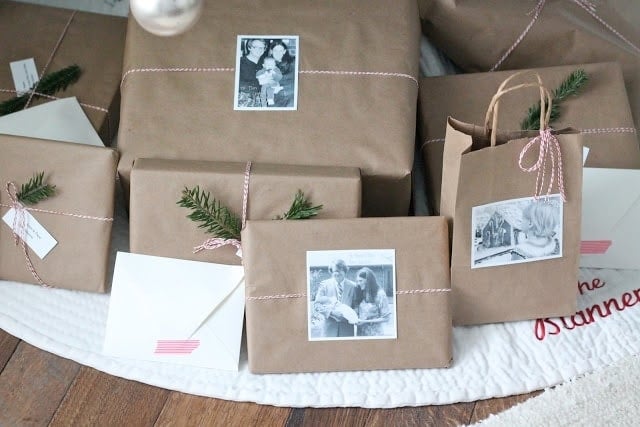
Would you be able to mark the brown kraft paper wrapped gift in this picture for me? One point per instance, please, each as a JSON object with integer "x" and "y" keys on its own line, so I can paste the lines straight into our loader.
{"x": 600, "y": 111}
{"x": 93, "y": 42}
{"x": 158, "y": 226}
{"x": 84, "y": 177}
{"x": 486, "y": 34}
{"x": 360, "y": 111}
{"x": 476, "y": 174}
{"x": 277, "y": 302}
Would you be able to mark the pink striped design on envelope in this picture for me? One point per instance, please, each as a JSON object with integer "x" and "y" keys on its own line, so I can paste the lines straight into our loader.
{"x": 176, "y": 346}
{"x": 594, "y": 247}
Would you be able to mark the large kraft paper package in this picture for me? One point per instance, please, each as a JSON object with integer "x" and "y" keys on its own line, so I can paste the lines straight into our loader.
{"x": 277, "y": 299}
{"x": 600, "y": 110}
{"x": 496, "y": 276}
{"x": 92, "y": 41}
{"x": 84, "y": 177}
{"x": 159, "y": 226}
{"x": 357, "y": 93}
{"x": 562, "y": 33}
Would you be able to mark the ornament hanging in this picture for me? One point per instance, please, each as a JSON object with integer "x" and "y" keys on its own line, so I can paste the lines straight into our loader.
{"x": 166, "y": 17}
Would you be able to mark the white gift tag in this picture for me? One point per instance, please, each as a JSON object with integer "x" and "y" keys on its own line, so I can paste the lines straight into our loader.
{"x": 38, "y": 238}
{"x": 25, "y": 74}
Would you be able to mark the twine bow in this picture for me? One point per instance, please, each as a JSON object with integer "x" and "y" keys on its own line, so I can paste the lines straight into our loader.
{"x": 549, "y": 149}
{"x": 20, "y": 229}
{"x": 218, "y": 242}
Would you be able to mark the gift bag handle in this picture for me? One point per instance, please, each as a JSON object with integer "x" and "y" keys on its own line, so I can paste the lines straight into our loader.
{"x": 491, "y": 117}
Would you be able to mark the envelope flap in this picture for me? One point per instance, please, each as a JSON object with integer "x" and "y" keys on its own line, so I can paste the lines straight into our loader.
{"x": 172, "y": 297}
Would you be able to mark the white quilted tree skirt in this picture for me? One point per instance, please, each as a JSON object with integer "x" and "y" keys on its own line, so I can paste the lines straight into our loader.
{"x": 489, "y": 361}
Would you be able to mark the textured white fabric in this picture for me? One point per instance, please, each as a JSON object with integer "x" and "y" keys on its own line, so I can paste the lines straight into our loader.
{"x": 610, "y": 396}
{"x": 489, "y": 361}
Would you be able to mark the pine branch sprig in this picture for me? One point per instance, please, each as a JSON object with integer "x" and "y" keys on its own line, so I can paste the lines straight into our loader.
{"x": 301, "y": 208}
{"x": 35, "y": 190}
{"x": 569, "y": 87}
{"x": 50, "y": 84}
{"x": 216, "y": 219}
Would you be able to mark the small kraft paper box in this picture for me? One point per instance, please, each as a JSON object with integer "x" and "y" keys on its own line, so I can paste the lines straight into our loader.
{"x": 59, "y": 38}
{"x": 73, "y": 225}
{"x": 600, "y": 111}
{"x": 159, "y": 226}
{"x": 351, "y": 294}
{"x": 349, "y": 75}
{"x": 512, "y": 35}
{"x": 515, "y": 199}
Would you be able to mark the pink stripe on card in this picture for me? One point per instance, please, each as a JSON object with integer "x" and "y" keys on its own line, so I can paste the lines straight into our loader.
{"x": 594, "y": 247}
{"x": 176, "y": 346}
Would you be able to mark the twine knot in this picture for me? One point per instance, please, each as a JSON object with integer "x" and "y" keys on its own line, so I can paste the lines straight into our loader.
{"x": 20, "y": 219}
{"x": 549, "y": 148}
{"x": 217, "y": 242}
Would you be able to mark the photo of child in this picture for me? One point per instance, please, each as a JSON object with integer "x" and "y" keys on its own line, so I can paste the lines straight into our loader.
{"x": 269, "y": 78}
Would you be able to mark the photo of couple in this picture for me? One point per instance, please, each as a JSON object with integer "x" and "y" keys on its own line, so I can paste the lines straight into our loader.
{"x": 266, "y": 73}
{"x": 351, "y": 306}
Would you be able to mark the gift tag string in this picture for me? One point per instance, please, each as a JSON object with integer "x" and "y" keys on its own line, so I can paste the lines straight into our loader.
{"x": 21, "y": 224}
{"x": 218, "y": 242}
{"x": 549, "y": 148}
{"x": 584, "y": 4}
{"x": 53, "y": 52}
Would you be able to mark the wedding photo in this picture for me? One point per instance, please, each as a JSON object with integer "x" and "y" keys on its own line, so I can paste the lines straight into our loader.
{"x": 266, "y": 72}
{"x": 351, "y": 294}
{"x": 516, "y": 231}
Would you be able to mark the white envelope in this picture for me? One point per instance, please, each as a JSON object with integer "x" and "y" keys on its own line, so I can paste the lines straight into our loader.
{"x": 610, "y": 218}
{"x": 59, "y": 120}
{"x": 177, "y": 311}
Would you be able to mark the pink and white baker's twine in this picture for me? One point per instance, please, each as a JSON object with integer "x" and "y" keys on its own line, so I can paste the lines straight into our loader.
{"x": 549, "y": 148}
{"x": 584, "y": 4}
{"x": 226, "y": 69}
{"x": 303, "y": 295}
{"x": 217, "y": 242}
{"x": 21, "y": 225}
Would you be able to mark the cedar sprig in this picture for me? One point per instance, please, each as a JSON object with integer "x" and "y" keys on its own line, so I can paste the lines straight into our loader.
{"x": 569, "y": 87}
{"x": 35, "y": 190}
{"x": 215, "y": 218}
{"x": 301, "y": 208}
{"x": 50, "y": 84}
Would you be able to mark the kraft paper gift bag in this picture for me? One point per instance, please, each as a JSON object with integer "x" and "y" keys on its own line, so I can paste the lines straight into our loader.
{"x": 303, "y": 318}
{"x": 515, "y": 201}
{"x": 600, "y": 111}
{"x": 356, "y": 92}
{"x": 509, "y": 35}
{"x": 58, "y": 38}
{"x": 68, "y": 235}
{"x": 159, "y": 226}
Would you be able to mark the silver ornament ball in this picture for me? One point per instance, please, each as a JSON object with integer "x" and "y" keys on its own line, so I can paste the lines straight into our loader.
{"x": 166, "y": 17}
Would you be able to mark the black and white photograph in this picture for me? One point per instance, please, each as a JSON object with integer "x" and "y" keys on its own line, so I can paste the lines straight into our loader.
{"x": 351, "y": 294}
{"x": 516, "y": 231}
{"x": 266, "y": 73}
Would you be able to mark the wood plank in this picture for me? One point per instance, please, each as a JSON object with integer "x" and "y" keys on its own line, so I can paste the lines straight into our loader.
{"x": 444, "y": 415}
{"x": 338, "y": 417}
{"x": 187, "y": 410}
{"x": 8, "y": 344}
{"x": 32, "y": 385}
{"x": 487, "y": 407}
{"x": 99, "y": 399}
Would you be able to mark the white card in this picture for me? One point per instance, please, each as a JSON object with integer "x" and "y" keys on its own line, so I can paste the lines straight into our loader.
{"x": 59, "y": 120}
{"x": 178, "y": 311}
{"x": 25, "y": 74}
{"x": 37, "y": 238}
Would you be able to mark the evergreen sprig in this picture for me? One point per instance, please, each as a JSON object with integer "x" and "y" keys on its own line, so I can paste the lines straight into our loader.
{"x": 214, "y": 218}
{"x": 301, "y": 208}
{"x": 35, "y": 190}
{"x": 569, "y": 87}
{"x": 50, "y": 84}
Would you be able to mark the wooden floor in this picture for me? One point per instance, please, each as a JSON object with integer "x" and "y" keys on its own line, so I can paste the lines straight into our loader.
{"x": 38, "y": 388}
